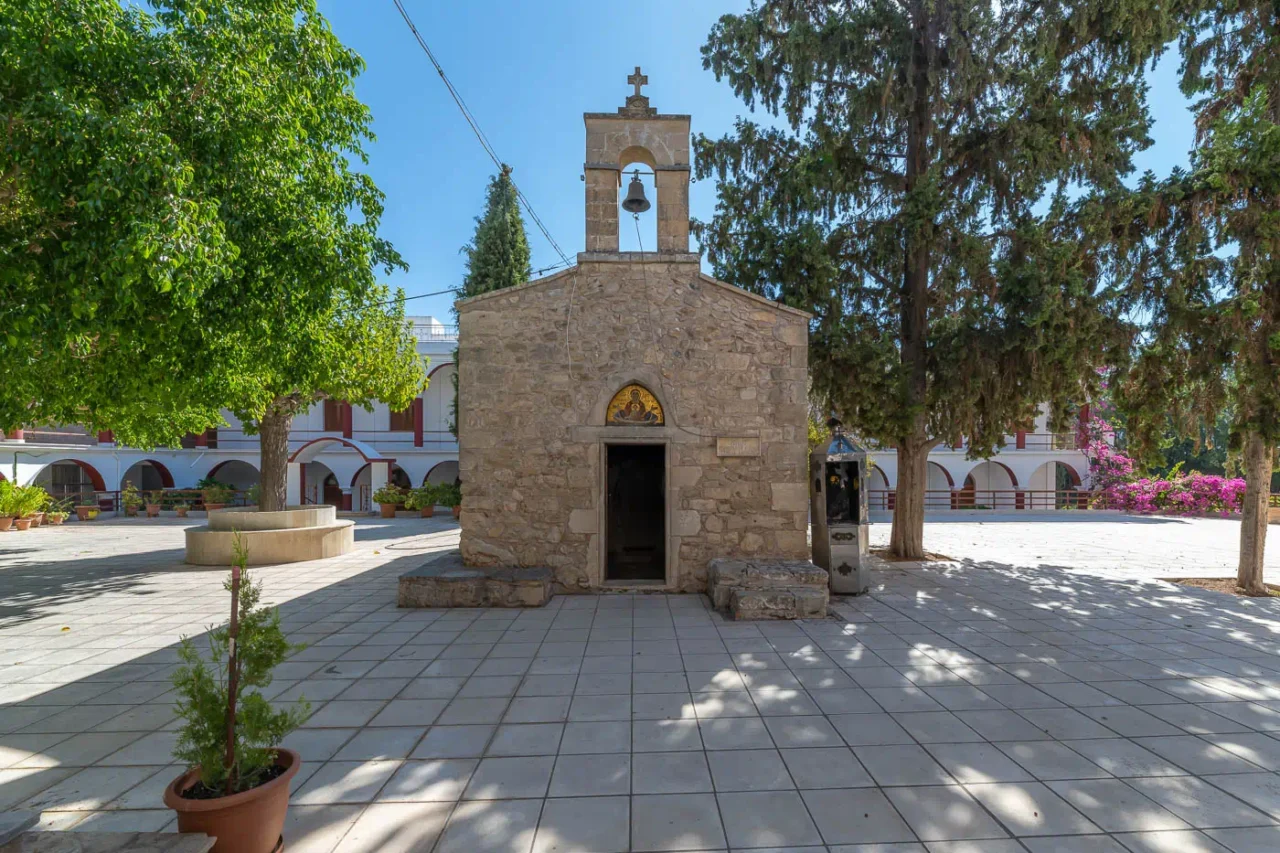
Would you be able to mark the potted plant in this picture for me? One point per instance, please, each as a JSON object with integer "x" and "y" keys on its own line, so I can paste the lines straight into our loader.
{"x": 237, "y": 787}
{"x": 450, "y": 495}
{"x": 8, "y": 504}
{"x": 131, "y": 499}
{"x": 92, "y": 513}
{"x": 182, "y": 508}
{"x": 27, "y": 503}
{"x": 252, "y": 494}
{"x": 422, "y": 499}
{"x": 57, "y": 511}
{"x": 388, "y": 498}
{"x": 216, "y": 497}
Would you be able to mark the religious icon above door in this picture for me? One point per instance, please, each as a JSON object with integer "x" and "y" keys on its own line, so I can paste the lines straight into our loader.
{"x": 634, "y": 406}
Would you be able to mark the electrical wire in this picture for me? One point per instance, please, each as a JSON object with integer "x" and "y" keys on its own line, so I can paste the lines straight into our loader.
{"x": 480, "y": 136}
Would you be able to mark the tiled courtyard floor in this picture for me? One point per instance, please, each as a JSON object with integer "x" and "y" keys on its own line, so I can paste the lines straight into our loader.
{"x": 1014, "y": 707}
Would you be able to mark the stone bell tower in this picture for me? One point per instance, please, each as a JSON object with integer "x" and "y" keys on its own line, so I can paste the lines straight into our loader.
{"x": 637, "y": 134}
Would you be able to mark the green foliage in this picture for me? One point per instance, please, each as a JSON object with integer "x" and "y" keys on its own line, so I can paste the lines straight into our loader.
{"x": 218, "y": 494}
{"x": 211, "y": 483}
{"x": 252, "y": 494}
{"x": 182, "y": 227}
{"x": 498, "y": 255}
{"x": 389, "y": 494}
{"x": 1198, "y": 253}
{"x": 130, "y": 496}
{"x": 203, "y": 695}
{"x": 449, "y": 494}
{"x": 915, "y": 200}
{"x": 8, "y": 499}
{"x": 421, "y": 497}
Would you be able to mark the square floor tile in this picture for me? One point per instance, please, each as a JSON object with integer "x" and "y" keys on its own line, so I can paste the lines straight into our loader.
{"x": 943, "y": 813}
{"x": 767, "y": 819}
{"x": 526, "y": 739}
{"x": 396, "y": 828}
{"x": 345, "y": 782}
{"x": 440, "y": 780}
{"x": 665, "y": 735}
{"x": 670, "y": 773}
{"x": 676, "y": 822}
{"x": 870, "y": 730}
{"x": 454, "y": 742}
{"x": 1030, "y": 808}
{"x": 1048, "y": 760}
{"x": 1116, "y": 807}
{"x": 977, "y": 762}
{"x": 384, "y": 743}
{"x": 1171, "y": 841}
{"x": 826, "y": 767}
{"x": 860, "y": 816}
{"x": 748, "y": 770}
{"x": 575, "y": 825}
{"x": 798, "y": 732}
{"x": 1258, "y": 840}
{"x": 1260, "y": 790}
{"x": 1196, "y": 755}
{"x": 510, "y": 778}
{"x": 1199, "y": 803}
{"x": 591, "y": 775}
{"x": 936, "y": 727}
{"x": 478, "y": 827}
{"x": 586, "y": 737}
{"x": 902, "y": 765}
{"x": 735, "y": 733}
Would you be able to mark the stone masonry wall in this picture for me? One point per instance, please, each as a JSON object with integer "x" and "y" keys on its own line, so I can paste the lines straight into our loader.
{"x": 721, "y": 362}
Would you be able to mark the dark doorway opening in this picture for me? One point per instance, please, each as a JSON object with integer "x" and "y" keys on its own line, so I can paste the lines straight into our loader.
{"x": 636, "y": 535}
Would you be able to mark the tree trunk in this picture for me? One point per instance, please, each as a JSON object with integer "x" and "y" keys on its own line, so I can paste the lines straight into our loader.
{"x": 906, "y": 539}
{"x": 1253, "y": 512}
{"x": 273, "y": 435}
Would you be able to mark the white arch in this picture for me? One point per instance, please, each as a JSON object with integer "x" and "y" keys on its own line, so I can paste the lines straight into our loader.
{"x": 938, "y": 486}
{"x": 989, "y": 484}
{"x": 313, "y": 448}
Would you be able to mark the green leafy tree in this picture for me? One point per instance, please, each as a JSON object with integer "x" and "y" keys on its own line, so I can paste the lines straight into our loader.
{"x": 913, "y": 196}
{"x": 498, "y": 255}
{"x": 1200, "y": 257}
{"x": 184, "y": 230}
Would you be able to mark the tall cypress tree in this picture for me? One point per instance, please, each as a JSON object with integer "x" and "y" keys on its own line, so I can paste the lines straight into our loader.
{"x": 914, "y": 198}
{"x": 1205, "y": 251}
{"x": 498, "y": 255}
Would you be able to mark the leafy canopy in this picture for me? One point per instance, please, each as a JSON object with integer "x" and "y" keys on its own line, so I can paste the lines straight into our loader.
{"x": 912, "y": 193}
{"x": 182, "y": 228}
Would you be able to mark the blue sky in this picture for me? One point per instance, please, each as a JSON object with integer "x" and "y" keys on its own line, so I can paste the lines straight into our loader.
{"x": 528, "y": 71}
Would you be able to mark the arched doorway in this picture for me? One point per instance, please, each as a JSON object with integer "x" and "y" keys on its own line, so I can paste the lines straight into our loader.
{"x": 147, "y": 476}
{"x": 1055, "y": 485}
{"x": 441, "y": 473}
{"x": 989, "y": 485}
{"x": 235, "y": 473}
{"x": 71, "y": 478}
{"x": 938, "y": 495}
{"x": 320, "y": 485}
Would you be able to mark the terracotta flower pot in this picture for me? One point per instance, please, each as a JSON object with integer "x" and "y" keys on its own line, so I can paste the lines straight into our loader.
{"x": 53, "y": 519}
{"x": 249, "y": 822}
{"x": 457, "y": 511}
{"x": 212, "y": 507}
{"x": 182, "y": 512}
{"x": 388, "y": 510}
{"x": 427, "y": 511}
{"x": 131, "y": 512}
{"x": 153, "y": 510}
{"x": 22, "y": 523}
{"x": 6, "y": 521}
{"x": 82, "y": 513}
{"x": 37, "y": 519}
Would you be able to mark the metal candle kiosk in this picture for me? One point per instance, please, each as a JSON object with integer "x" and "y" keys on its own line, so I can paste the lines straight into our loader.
{"x": 838, "y": 508}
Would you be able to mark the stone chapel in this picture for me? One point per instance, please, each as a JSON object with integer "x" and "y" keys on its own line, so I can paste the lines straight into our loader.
{"x": 628, "y": 420}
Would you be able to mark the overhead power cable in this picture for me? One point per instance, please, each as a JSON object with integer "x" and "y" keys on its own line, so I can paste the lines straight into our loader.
{"x": 483, "y": 140}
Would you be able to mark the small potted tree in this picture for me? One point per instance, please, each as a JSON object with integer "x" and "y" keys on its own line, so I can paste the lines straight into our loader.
{"x": 450, "y": 495}
{"x": 182, "y": 508}
{"x": 389, "y": 499}
{"x": 28, "y": 502}
{"x": 237, "y": 787}
{"x": 83, "y": 504}
{"x": 57, "y": 511}
{"x": 8, "y": 504}
{"x": 422, "y": 499}
{"x": 131, "y": 499}
{"x": 155, "y": 501}
{"x": 216, "y": 497}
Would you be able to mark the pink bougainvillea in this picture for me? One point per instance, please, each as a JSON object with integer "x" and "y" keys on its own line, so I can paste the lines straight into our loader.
{"x": 1115, "y": 486}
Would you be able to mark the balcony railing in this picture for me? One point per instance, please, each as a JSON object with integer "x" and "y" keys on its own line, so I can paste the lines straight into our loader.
{"x": 435, "y": 332}
{"x": 994, "y": 499}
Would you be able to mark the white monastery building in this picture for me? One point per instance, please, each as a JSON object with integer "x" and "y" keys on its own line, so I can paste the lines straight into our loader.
{"x": 1035, "y": 470}
{"x": 412, "y": 447}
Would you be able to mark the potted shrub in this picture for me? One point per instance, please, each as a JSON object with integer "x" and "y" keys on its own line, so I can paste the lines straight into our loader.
{"x": 28, "y": 501}
{"x": 422, "y": 499}
{"x": 450, "y": 495}
{"x": 237, "y": 787}
{"x": 131, "y": 499}
{"x": 251, "y": 495}
{"x": 155, "y": 501}
{"x": 92, "y": 515}
{"x": 57, "y": 511}
{"x": 389, "y": 499}
{"x": 8, "y": 504}
{"x": 182, "y": 508}
{"x": 216, "y": 497}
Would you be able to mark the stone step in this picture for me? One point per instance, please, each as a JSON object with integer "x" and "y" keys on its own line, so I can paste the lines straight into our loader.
{"x": 446, "y": 582}
{"x": 794, "y": 602}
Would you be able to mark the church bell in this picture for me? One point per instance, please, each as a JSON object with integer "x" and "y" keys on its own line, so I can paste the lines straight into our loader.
{"x": 635, "y": 202}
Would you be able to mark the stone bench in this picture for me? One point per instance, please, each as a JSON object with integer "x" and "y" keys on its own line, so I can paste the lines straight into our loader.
{"x": 768, "y": 589}
{"x": 446, "y": 582}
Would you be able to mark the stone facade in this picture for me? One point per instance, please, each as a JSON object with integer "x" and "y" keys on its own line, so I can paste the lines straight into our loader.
{"x": 541, "y": 362}
{"x": 728, "y": 368}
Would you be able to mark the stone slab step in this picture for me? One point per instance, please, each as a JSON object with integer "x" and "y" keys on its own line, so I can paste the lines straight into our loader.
{"x": 446, "y": 582}
{"x": 797, "y": 602}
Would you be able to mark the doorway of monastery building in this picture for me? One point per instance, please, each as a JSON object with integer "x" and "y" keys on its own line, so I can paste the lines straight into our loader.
{"x": 635, "y": 538}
